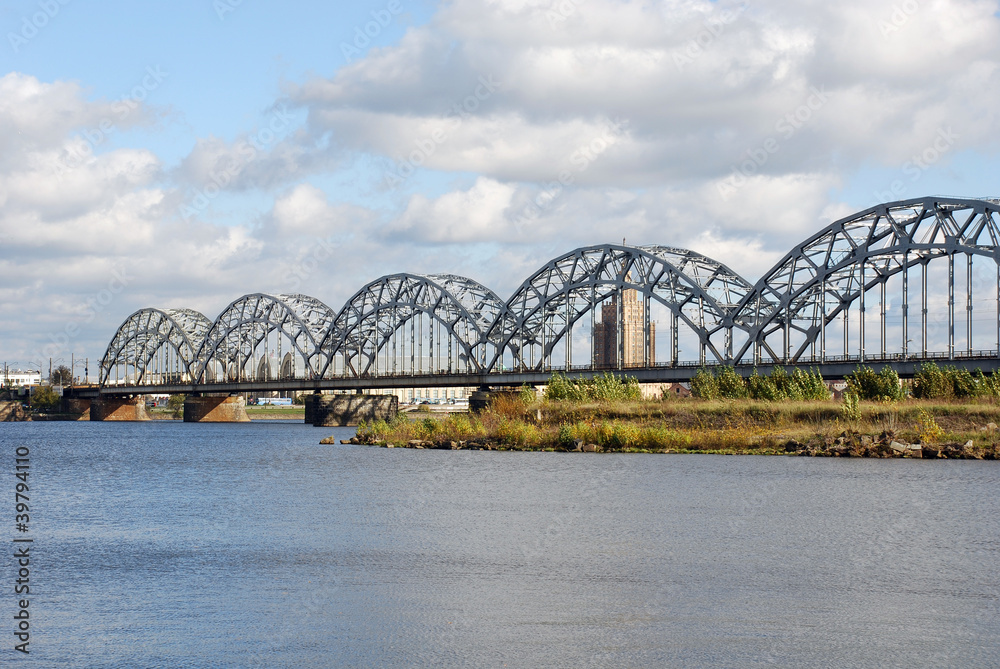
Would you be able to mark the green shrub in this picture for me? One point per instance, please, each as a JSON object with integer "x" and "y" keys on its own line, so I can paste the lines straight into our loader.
{"x": 867, "y": 385}
{"x": 603, "y": 388}
{"x": 780, "y": 385}
{"x": 933, "y": 382}
{"x": 731, "y": 385}
{"x": 517, "y": 433}
{"x": 810, "y": 385}
{"x": 851, "y": 411}
{"x": 930, "y": 381}
{"x": 704, "y": 385}
{"x": 565, "y": 438}
{"x": 44, "y": 398}
{"x": 761, "y": 387}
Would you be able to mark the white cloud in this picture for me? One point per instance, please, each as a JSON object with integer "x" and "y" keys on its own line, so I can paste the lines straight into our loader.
{"x": 644, "y": 110}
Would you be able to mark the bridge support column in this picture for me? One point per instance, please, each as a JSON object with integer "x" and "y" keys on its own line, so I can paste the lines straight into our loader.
{"x": 479, "y": 400}
{"x": 346, "y": 410}
{"x": 119, "y": 409}
{"x": 76, "y": 405}
{"x": 311, "y": 403}
{"x": 215, "y": 409}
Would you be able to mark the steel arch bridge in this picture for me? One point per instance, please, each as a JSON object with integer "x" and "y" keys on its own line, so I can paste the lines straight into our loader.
{"x": 845, "y": 294}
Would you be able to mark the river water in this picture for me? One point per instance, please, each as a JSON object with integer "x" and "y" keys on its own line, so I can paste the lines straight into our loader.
{"x": 167, "y": 544}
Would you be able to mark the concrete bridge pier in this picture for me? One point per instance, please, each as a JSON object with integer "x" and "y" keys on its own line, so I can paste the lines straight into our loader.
{"x": 119, "y": 408}
{"x": 347, "y": 410}
{"x": 479, "y": 400}
{"x": 310, "y": 405}
{"x": 215, "y": 409}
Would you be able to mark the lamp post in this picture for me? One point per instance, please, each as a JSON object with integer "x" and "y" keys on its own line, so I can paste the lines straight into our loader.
{"x": 73, "y": 366}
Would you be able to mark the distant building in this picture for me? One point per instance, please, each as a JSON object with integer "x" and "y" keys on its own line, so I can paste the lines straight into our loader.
{"x": 674, "y": 390}
{"x": 17, "y": 378}
{"x": 606, "y": 333}
{"x": 418, "y": 395}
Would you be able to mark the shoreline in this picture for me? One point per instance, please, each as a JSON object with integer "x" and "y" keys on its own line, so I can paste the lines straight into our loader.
{"x": 906, "y": 429}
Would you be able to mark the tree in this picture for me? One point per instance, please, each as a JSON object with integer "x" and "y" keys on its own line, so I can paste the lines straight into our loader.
{"x": 44, "y": 399}
{"x": 176, "y": 404}
{"x": 61, "y": 376}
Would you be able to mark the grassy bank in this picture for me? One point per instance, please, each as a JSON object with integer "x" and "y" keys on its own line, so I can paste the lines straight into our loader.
{"x": 694, "y": 425}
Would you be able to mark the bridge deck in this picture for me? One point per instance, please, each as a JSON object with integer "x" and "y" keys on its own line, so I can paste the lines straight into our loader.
{"x": 831, "y": 369}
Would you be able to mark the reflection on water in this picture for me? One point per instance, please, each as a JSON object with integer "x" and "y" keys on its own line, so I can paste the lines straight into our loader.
{"x": 172, "y": 545}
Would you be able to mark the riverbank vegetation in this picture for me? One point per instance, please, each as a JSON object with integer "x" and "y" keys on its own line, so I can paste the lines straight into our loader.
{"x": 778, "y": 414}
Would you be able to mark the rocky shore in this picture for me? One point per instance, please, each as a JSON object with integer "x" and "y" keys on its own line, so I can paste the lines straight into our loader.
{"x": 847, "y": 445}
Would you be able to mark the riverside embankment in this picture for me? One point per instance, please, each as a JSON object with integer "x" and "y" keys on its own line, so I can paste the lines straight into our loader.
{"x": 908, "y": 428}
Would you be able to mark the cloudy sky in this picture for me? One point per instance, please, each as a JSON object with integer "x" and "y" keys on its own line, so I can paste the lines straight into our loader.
{"x": 182, "y": 154}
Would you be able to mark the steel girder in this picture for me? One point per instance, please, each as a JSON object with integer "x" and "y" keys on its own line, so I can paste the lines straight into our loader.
{"x": 699, "y": 291}
{"x": 825, "y": 274}
{"x": 463, "y": 307}
{"x": 793, "y": 302}
{"x": 246, "y": 322}
{"x": 142, "y": 334}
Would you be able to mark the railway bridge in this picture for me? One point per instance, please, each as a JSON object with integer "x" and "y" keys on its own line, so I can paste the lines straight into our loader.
{"x": 897, "y": 284}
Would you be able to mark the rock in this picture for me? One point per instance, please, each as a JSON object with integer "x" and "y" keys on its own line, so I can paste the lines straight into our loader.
{"x": 991, "y": 426}
{"x": 453, "y": 445}
{"x": 906, "y": 450}
{"x": 969, "y": 445}
{"x": 591, "y": 448}
{"x": 928, "y": 451}
{"x": 866, "y": 440}
{"x": 390, "y": 445}
{"x": 578, "y": 445}
{"x": 415, "y": 443}
{"x": 329, "y": 440}
{"x": 792, "y": 446}
{"x": 343, "y": 441}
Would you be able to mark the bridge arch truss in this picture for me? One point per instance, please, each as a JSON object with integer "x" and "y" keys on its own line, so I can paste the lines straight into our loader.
{"x": 155, "y": 346}
{"x": 825, "y": 297}
{"x": 413, "y": 324}
{"x": 698, "y": 293}
{"x": 263, "y": 337}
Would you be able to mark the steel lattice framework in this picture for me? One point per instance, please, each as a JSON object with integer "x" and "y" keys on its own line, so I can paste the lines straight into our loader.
{"x": 790, "y": 308}
{"x": 458, "y": 310}
{"x": 148, "y": 332}
{"x": 698, "y": 291}
{"x": 410, "y": 324}
{"x": 230, "y": 345}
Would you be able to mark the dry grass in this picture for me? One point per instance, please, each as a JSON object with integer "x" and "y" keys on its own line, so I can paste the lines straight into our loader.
{"x": 740, "y": 426}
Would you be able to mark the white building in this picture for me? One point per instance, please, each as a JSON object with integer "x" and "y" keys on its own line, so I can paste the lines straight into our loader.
{"x": 14, "y": 378}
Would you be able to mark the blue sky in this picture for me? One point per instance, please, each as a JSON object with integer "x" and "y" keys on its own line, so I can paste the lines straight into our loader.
{"x": 736, "y": 129}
